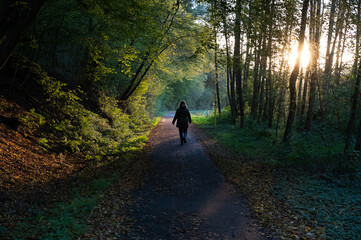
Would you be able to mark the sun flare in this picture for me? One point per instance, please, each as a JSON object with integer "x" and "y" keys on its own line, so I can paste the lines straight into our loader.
{"x": 305, "y": 55}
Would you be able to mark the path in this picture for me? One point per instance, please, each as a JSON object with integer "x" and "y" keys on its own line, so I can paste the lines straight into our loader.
{"x": 186, "y": 196}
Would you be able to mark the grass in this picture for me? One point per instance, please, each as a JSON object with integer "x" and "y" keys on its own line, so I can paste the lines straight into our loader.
{"x": 304, "y": 189}
{"x": 62, "y": 221}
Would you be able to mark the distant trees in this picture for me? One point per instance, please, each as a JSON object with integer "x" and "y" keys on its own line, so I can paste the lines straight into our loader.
{"x": 259, "y": 62}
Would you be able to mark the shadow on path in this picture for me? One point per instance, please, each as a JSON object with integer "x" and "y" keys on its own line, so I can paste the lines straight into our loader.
{"x": 186, "y": 196}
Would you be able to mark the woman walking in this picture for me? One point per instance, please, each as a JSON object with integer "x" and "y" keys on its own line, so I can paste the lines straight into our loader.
{"x": 183, "y": 117}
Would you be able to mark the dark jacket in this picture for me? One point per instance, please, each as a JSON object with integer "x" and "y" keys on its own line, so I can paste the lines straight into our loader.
{"x": 182, "y": 116}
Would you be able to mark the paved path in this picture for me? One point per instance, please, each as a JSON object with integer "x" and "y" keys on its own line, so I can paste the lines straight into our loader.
{"x": 186, "y": 196}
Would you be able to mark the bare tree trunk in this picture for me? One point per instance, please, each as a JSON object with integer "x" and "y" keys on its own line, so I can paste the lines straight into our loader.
{"x": 280, "y": 105}
{"x": 265, "y": 106}
{"x": 358, "y": 139}
{"x": 340, "y": 62}
{"x": 256, "y": 84}
{"x": 299, "y": 94}
{"x": 230, "y": 81}
{"x": 315, "y": 43}
{"x": 331, "y": 22}
{"x": 216, "y": 73}
{"x": 294, "y": 75}
{"x": 237, "y": 60}
{"x": 342, "y": 44}
{"x": 304, "y": 94}
{"x": 261, "y": 96}
{"x": 247, "y": 62}
{"x": 269, "y": 100}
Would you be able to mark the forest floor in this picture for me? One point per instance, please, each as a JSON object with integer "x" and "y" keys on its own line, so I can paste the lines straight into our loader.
{"x": 184, "y": 197}
{"x": 305, "y": 190}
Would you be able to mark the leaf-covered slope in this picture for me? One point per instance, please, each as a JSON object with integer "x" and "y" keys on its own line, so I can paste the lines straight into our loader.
{"x": 23, "y": 160}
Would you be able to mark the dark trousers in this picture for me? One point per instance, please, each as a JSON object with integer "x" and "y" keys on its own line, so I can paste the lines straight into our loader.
{"x": 182, "y": 134}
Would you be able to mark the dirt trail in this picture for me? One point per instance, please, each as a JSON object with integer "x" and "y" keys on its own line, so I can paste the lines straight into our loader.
{"x": 186, "y": 196}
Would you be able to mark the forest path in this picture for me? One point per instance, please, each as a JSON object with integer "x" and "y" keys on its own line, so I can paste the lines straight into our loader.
{"x": 186, "y": 196}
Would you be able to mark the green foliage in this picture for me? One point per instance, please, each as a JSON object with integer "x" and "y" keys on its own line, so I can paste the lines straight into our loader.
{"x": 32, "y": 121}
{"x": 44, "y": 143}
{"x": 71, "y": 127}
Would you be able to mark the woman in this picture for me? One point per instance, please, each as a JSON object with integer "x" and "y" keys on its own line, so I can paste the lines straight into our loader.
{"x": 183, "y": 117}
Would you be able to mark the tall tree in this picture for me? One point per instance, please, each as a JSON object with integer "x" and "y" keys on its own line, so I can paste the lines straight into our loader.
{"x": 315, "y": 43}
{"x": 331, "y": 23}
{"x": 230, "y": 80}
{"x": 294, "y": 75}
{"x": 237, "y": 71}
{"x": 270, "y": 101}
{"x": 216, "y": 70}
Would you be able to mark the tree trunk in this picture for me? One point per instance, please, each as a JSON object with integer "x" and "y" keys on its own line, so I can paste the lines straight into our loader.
{"x": 315, "y": 43}
{"x": 265, "y": 106}
{"x": 262, "y": 76}
{"x": 256, "y": 84}
{"x": 304, "y": 94}
{"x": 269, "y": 100}
{"x": 237, "y": 60}
{"x": 299, "y": 94}
{"x": 331, "y": 23}
{"x": 261, "y": 96}
{"x": 294, "y": 75}
{"x": 246, "y": 64}
{"x": 340, "y": 61}
{"x": 216, "y": 73}
{"x": 358, "y": 139}
{"x": 354, "y": 103}
{"x": 230, "y": 82}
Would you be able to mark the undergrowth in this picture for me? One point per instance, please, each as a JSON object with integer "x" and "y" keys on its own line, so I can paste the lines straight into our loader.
{"x": 306, "y": 151}
{"x": 63, "y": 123}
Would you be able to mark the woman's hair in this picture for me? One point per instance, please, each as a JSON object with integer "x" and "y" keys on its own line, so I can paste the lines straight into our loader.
{"x": 182, "y": 102}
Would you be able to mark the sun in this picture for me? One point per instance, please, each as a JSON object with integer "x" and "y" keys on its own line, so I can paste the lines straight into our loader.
{"x": 305, "y": 55}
